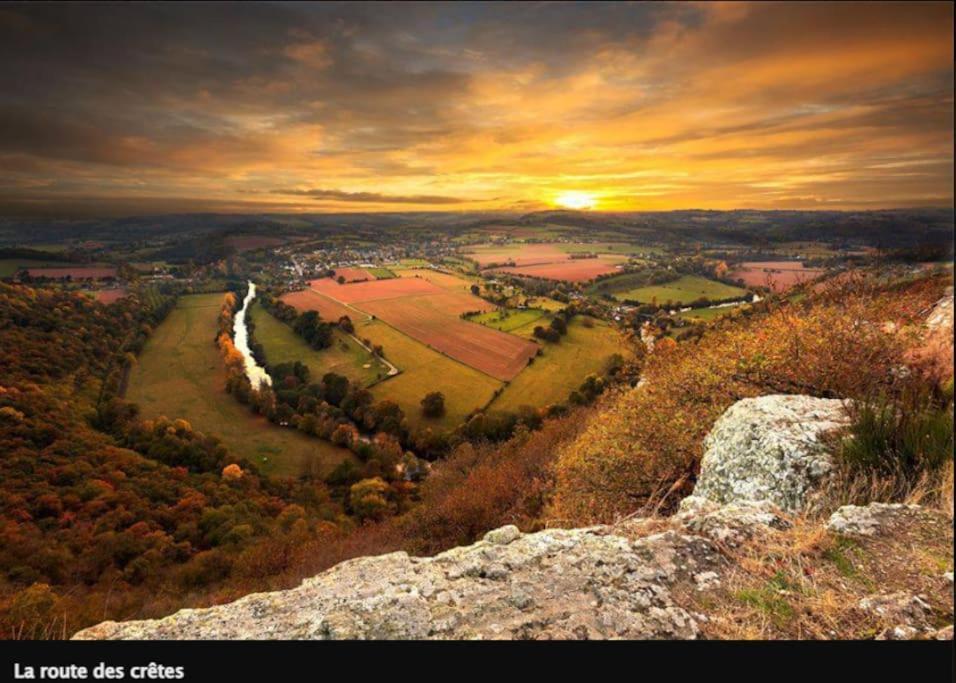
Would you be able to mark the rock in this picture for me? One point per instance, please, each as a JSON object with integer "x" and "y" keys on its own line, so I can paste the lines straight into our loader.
{"x": 870, "y": 520}
{"x": 732, "y": 524}
{"x": 901, "y": 632}
{"x": 900, "y": 608}
{"x": 941, "y": 316}
{"x": 582, "y": 583}
{"x": 769, "y": 448}
{"x": 949, "y": 577}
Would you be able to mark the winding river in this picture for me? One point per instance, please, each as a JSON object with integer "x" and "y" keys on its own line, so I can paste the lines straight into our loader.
{"x": 255, "y": 372}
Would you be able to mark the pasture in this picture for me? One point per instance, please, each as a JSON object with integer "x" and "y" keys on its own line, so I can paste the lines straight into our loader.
{"x": 424, "y": 370}
{"x": 180, "y": 374}
{"x": 345, "y": 357}
{"x": 10, "y": 267}
{"x": 249, "y": 242}
{"x": 353, "y": 274}
{"x": 681, "y": 291}
{"x": 563, "y": 366}
{"x": 381, "y": 273}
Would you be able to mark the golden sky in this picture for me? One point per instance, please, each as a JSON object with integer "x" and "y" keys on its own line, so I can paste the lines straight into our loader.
{"x": 395, "y": 107}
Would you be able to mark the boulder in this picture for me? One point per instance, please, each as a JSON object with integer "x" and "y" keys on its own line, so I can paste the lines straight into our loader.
{"x": 770, "y": 449}
{"x": 873, "y": 519}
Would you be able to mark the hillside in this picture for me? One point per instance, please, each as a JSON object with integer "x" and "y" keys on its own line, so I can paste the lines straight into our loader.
{"x": 789, "y": 475}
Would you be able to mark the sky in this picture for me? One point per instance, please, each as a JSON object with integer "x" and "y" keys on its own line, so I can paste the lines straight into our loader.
{"x": 141, "y": 108}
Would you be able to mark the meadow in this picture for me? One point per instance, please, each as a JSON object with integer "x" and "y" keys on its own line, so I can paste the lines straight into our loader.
{"x": 563, "y": 366}
{"x": 571, "y": 270}
{"x": 424, "y": 370}
{"x": 345, "y": 357}
{"x": 180, "y": 374}
{"x": 684, "y": 290}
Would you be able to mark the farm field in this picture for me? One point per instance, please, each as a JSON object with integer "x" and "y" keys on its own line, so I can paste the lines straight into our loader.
{"x": 10, "y": 267}
{"x": 520, "y": 254}
{"x": 576, "y": 270}
{"x": 75, "y": 273}
{"x": 373, "y": 290}
{"x": 353, "y": 274}
{"x": 345, "y": 357}
{"x": 684, "y": 290}
{"x": 778, "y": 275}
{"x": 424, "y": 370}
{"x": 508, "y": 320}
{"x": 308, "y": 300}
{"x": 563, "y": 366}
{"x": 180, "y": 374}
{"x": 380, "y": 273}
{"x": 443, "y": 280}
{"x": 433, "y": 320}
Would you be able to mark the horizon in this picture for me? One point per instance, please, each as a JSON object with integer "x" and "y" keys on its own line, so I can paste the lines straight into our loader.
{"x": 133, "y": 110}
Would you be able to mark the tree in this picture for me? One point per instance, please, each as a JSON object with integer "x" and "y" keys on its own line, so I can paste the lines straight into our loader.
{"x": 476, "y": 290}
{"x": 433, "y": 405}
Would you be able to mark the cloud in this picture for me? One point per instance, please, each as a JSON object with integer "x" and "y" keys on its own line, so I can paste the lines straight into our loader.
{"x": 647, "y": 105}
{"x": 370, "y": 197}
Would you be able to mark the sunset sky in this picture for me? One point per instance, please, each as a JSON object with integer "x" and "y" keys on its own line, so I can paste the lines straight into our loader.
{"x": 133, "y": 108}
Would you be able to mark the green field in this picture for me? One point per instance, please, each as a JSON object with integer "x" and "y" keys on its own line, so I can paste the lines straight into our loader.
{"x": 345, "y": 357}
{"x": 509, "y": 319}
{"x": 180, "y": 374}
{"x": 602, "y": 248}
{"x": 424, "y": 370}
{"x": 563, "y": 366}
{"x": 381, "y": 273}
{"x": 698, "y": 315}
{"x": 684, "y": 290}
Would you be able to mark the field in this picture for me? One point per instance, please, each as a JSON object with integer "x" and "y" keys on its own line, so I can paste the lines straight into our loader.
{"x": 508, "y": 320}
{"x": 75, "y": 273}
{"x": 519, "y": 254}
{"x": 433, "y": 320}
{"x": 10, "y": 267}
{"x": 684, "y": 290}
{"x": 562, "y": 367}
{"x": 443, "y": 280}
{"x": 778, "y": 275}
{"x": 424, "y": 370}
{"x": 576, "y": 270}
{"x": 345, "y": 357}
{"x": 308, "y": 300}
{"x": 707, "y": 314}
{"x": 381, "y": 273}
{"x": 373, "y": 290}
{"x": 180, "y": 374}
{"x": 353, "y": 274}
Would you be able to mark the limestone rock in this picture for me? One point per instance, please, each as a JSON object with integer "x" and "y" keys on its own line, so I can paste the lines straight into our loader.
{"x": 901, "y": 608}
{"x": 582, "y": 583}
{"x": 733, "y": 523}
{"x": 769, "y": 448}
{"x": 870, "y": 520}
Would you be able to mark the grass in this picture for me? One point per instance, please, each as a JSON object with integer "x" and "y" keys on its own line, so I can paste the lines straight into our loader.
{"x": 425, "y": 370}
{"x": 563, "y": 366}
{"x": 180, "y": 374}
{"x": 508, "y": 319}
{"x": 381, "y": 273}
{"x": 345, "y": 357}
{"x": 684, "y": 290}
{"x": 707, "y": 314}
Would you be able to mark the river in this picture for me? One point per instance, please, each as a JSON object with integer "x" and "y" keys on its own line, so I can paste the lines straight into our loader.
{"x": 255, "y": 372}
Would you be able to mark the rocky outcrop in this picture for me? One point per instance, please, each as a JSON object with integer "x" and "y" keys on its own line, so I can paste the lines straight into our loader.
{"x": 872, "y": 519}
{"x": 769, "y": 449}
{"x": 576, "y": 584}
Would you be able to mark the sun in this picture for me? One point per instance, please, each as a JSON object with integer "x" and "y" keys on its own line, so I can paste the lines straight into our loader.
{"x": 576, "y": 200}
